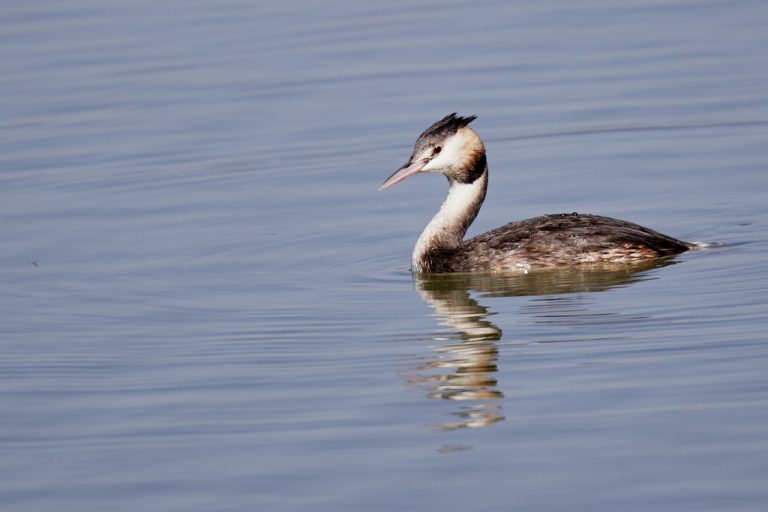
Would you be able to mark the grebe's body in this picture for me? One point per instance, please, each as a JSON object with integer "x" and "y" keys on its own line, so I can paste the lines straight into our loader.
{"x": 452, "y": 148}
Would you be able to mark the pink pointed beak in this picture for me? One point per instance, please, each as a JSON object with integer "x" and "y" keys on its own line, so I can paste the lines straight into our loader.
{"x": 408, "y": 169}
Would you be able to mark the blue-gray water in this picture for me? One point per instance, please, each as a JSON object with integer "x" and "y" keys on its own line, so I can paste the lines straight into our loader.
{"x": 205, "y": 302}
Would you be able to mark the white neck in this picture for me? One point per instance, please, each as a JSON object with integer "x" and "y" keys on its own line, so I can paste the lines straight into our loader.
{"x": 447, "y": 228}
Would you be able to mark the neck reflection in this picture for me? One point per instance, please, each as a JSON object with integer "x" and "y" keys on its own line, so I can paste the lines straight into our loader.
{"x": 464, "y": 369}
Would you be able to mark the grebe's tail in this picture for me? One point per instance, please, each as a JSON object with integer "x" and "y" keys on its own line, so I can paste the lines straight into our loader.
{"x": 695, "y": 246}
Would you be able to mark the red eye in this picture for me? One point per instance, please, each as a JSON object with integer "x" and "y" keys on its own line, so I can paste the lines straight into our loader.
{"x": 436, "y": 150}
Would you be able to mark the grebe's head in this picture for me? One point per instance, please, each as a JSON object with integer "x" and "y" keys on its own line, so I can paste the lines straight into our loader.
{"x": 449, "y": 146}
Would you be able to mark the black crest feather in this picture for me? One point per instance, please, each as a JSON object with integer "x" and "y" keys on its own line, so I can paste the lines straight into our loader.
{"x": 448, "y": 125}
{"x": 443, "y": 129}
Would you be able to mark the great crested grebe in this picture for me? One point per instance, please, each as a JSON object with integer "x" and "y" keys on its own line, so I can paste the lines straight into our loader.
{"x": 450, "y": 147}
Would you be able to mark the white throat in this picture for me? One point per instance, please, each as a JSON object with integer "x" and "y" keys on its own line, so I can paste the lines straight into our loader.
{"x": 447, "y": 228}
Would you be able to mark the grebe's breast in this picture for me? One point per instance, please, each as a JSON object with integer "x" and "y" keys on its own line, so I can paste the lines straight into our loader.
{"x": 559, "y": 240}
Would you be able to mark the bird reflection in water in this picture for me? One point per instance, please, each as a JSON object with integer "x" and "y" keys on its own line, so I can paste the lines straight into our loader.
{"x": 464, "y": 364}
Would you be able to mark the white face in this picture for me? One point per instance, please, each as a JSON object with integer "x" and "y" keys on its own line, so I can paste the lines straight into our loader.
{"x": 451, "y": 154}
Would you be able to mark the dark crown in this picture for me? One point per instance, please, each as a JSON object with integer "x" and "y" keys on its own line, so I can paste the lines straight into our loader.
{"x": 444, "y": 128}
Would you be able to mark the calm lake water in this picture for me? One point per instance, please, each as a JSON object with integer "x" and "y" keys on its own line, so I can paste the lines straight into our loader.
{"x": 205, "y": 303}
